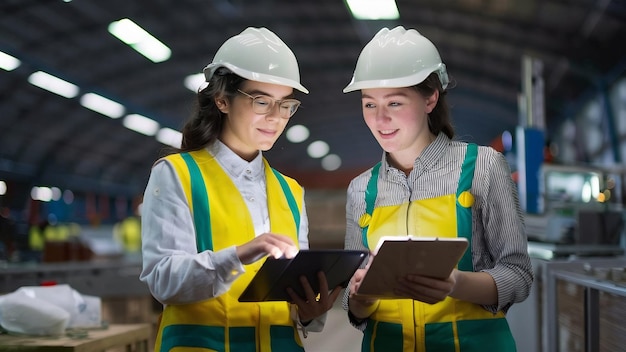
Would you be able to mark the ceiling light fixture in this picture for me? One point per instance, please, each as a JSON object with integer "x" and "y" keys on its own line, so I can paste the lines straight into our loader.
{"x": 139, "y": 39}
{"x": 8, "y": 62}
{"x": 373, "y": 9}
{"x": 43, "y": 194}
{"x": 195, "y": 82}
{"x": 170, "y": 137}
{"x": 331, "y": 162}
{"x": 102, "y": 105}
{"x": 297, "y": 134}
{"x": 53, "y": 84}
{"x": 141, "y": 124}
{"x": 317, "y": 149}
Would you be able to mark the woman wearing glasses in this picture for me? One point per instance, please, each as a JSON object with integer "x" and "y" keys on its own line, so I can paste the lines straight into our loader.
{"x": 215, "y": 209}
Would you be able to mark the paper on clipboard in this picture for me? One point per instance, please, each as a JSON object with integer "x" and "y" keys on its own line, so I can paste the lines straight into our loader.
{"x": 396, "y": 256}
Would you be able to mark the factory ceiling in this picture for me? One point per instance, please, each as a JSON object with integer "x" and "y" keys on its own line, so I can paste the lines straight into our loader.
{"x": 46, "y": 139}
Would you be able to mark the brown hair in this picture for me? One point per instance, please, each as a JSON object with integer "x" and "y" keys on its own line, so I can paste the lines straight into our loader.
{"x": 439, "y": 118}
{"x": 207, "y": 121}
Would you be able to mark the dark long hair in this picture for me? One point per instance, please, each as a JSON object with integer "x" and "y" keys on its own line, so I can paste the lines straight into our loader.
{"x": 207, "y": 121}
{"x": 439, "y": 118}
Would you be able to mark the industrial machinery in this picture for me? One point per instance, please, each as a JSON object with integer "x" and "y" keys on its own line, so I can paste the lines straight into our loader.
{"x": 578, "y": 205}
{"x": 580, "y": 218}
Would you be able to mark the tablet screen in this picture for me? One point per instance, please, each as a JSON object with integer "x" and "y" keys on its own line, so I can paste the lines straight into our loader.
{"x": 275, "y": 275}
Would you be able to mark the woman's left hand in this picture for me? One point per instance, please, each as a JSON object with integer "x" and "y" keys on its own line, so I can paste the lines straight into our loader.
{"x": 312, "y": 306}
{"x": 426, "y": 289}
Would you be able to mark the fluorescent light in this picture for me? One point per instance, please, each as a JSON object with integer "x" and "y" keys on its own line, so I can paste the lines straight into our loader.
{"x": 139, "y": 39}
{"x": 297, "y": 134}
{"x": 68, "y": 196}
{"x": 141, "y": 124}
{"x": 56, "y": 193}
{"x": 318, "y": 149}
{"x": 331, "y": 162}
{"x": 170, "y": 137}
{"x": 8, "y": 62}
{"x": 195, "y": 82}
{"x": 373, "y": 9}
{"x": 53, "y": 84}
{"x": 3, "y": 188}
{"x": 43, "y": 194}
{"x": 102, "y": 105}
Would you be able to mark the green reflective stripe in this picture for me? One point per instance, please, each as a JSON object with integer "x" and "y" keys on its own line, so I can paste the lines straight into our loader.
{"x": 283, "y": 339}
{"x": 200, "y": 203}
{"x": 290, "y": 199}
{"x": 476, "y": 335}
{"x": 382, "y": 336}
{"x": 440, "y": 337}
{"x": 370, "y": 198}
{"x": 242, "y": 339}
{"x": 463, "y": 214}
{"x": 187, "y": 335}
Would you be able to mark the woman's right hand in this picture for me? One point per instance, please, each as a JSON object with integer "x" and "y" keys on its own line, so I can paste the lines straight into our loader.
{"x": 360, "y": 306}
{"x": 266, "y": 244}
{"x": 357, "y": 278}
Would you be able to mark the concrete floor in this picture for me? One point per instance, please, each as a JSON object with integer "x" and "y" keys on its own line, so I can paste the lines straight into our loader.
{"x": 338, "y": 334}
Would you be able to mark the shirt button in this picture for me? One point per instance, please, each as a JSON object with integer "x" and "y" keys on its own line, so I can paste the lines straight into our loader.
{"x": 251, "y": 199}
{"x": 248, "y": 171}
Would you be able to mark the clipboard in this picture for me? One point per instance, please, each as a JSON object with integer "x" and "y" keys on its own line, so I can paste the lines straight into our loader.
{"x": 275, "y": 275}
{"x": 402, "y": 255}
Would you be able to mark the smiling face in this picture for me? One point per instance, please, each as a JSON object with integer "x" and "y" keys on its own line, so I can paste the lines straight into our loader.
{"x": 246, "y": 132}
{"x": 398, "y": 119}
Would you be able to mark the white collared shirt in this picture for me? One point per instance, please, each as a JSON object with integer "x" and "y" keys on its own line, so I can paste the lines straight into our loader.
{"x": 172, "y": 267}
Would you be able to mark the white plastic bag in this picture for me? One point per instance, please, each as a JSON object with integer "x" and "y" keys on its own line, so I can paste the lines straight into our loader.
{"x": 89, "y": 313}
{"x": 23, "y": 314}
{"x": 85, "y": 311}
{"x": 48, "y": 310}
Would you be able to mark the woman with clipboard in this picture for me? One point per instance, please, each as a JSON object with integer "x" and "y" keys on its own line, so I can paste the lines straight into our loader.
{"x": 215, "y": 209}
{"x": 431, "y": 186}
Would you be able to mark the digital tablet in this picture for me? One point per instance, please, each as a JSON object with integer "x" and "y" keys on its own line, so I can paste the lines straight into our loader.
{"x": 275, "y": 275}
{"x": 396, "y": 256}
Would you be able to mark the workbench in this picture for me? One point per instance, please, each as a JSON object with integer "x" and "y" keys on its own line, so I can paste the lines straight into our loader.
{"x": 122, "y": 337}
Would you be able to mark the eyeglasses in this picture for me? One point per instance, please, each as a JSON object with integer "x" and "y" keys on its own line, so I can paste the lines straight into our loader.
{"x": 263, "y": 105}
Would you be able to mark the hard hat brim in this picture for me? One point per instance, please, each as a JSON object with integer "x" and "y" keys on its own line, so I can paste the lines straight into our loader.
{"x": 253, "y": 76}
{"x": 401, "y": 82}
{"x": 386, "y": 83}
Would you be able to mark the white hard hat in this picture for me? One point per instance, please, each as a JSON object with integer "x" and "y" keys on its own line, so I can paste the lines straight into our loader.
{"x": 397, "y": 58}
{"x": 259, "y": 55}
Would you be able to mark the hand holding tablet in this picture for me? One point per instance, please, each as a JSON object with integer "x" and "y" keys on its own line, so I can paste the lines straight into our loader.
{"x": 398, "y": 256}
{"x": 271, "y": 281}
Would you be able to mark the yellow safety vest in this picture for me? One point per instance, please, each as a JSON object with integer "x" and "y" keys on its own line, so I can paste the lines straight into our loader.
{"x": 451, "y": 325}
{"x": 223, "y": 323}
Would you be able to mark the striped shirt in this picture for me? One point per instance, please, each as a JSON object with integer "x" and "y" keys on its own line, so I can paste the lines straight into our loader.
{"x": 499, "y": 243}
